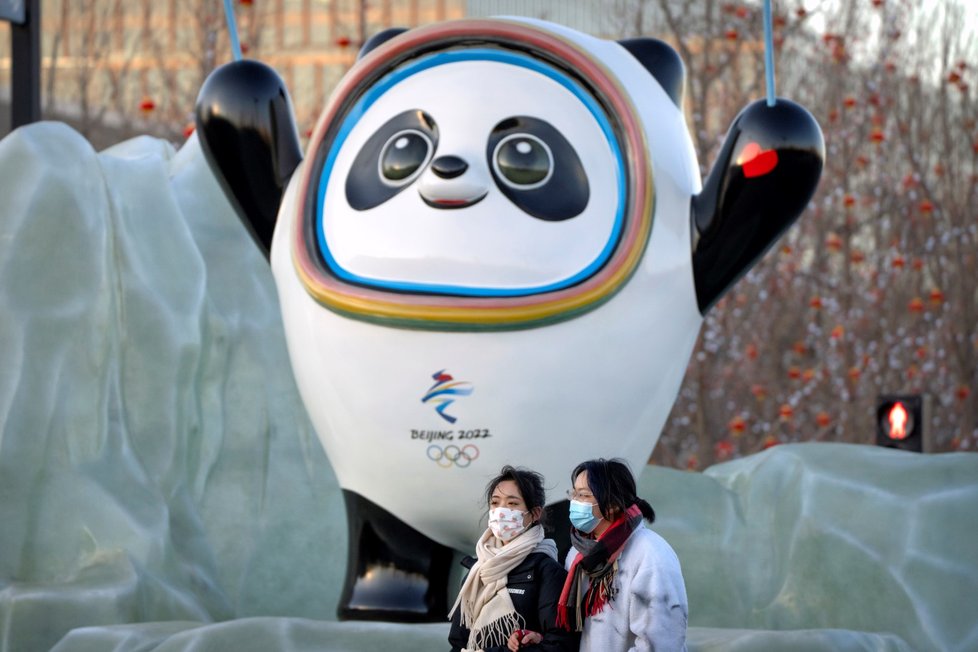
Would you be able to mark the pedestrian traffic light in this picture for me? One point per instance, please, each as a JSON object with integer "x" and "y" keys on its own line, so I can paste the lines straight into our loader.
{"x": 900, "y": 422}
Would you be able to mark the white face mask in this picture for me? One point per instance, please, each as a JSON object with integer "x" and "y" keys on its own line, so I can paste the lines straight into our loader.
{"x": 506, "y": 524}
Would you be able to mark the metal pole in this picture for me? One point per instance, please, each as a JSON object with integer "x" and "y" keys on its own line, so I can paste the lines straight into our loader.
{"x": 25, "y": 82}
{"x": 362, "y": 17}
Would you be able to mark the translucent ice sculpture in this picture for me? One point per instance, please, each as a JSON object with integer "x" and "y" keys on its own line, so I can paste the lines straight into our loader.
{"x": 155, "y": 463}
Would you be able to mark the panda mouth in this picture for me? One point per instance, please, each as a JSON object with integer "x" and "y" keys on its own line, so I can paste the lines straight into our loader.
{"x": 453, "y": 203}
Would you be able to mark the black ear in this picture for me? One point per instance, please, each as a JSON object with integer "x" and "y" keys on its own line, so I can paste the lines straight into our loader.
{"x": 247, "y": 130}
{"x": 379, "y": 39}
{"x": 662, "y": 62}
{"x": 765, "y": 175}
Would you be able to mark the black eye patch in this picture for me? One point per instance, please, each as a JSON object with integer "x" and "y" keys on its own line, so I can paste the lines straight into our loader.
{"x": 537, "y": 169}
{"x": 393, "y": 157}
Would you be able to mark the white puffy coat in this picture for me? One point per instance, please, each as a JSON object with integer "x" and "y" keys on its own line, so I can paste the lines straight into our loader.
{"x": 650, "y": 610}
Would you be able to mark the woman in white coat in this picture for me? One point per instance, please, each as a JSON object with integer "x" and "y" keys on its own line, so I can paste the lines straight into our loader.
{"x": 624, "y": 587}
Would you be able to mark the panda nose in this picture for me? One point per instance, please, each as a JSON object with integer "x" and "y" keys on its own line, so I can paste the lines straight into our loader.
{"x": 449, "y": 167}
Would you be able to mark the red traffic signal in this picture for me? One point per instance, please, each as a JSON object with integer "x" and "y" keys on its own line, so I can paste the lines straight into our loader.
{"x": 899, "y": 422}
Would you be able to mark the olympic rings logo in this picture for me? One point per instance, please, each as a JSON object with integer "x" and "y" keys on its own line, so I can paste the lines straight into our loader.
{"x": 452, "y": 454}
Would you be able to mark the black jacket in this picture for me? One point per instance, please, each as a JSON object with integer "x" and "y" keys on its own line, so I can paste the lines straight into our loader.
{"x": 534, "y": 587}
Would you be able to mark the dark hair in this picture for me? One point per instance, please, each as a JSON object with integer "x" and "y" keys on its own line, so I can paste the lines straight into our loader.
{"x": 530, "y": 484}
{"x": 613, "y": 485}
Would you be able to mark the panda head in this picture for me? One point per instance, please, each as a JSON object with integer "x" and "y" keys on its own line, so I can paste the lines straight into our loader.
{"x": 473, "y": 175}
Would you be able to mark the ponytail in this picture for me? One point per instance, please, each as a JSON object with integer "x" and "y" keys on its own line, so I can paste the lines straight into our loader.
{"x": 646, "y": 509}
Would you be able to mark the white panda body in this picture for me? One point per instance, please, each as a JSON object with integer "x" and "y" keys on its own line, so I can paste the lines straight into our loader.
{"x": 598, "y": 383}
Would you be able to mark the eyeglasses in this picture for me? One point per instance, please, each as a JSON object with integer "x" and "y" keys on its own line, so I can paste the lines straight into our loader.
{"x": 582, "y": 496}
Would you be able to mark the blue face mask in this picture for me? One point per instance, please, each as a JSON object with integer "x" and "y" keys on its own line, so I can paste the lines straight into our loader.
{"x": 582, "y": 518}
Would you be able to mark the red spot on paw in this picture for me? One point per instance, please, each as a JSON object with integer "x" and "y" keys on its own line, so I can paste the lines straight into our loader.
{"x": 757, "y": 162}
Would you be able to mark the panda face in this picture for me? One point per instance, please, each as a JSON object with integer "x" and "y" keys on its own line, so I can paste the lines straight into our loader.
{"x": 509, "y": 186}
{"x": 530, "y": 162}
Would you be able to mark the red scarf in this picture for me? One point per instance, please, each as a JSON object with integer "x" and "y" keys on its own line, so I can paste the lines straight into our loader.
{"x": 599, "y": 562}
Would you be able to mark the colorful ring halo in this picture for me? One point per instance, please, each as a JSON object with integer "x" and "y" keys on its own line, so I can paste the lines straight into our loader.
{"x": 478, "y": 313}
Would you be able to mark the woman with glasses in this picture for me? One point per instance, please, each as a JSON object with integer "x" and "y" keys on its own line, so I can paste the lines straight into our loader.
{"x": 508, "y": 600}
{"x": 624, "y": 587}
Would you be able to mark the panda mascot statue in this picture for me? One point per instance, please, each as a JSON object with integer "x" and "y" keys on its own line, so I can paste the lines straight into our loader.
{"x": 496, "y": 250}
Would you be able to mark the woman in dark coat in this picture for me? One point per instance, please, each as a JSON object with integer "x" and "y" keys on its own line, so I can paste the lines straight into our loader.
{"x": 508, "y": 600}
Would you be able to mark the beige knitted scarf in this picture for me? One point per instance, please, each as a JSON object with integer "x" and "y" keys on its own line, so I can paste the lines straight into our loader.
{"x": 486, "y": 608}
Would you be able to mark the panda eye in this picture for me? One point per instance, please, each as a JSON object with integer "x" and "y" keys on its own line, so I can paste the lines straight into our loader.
{"x": 523, "y": 161}
{"x": 403, "y": 155}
